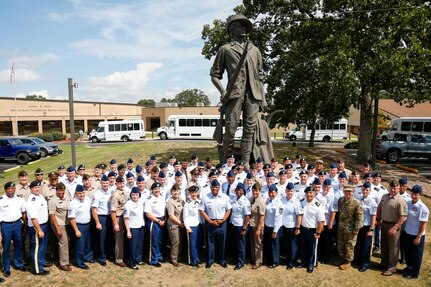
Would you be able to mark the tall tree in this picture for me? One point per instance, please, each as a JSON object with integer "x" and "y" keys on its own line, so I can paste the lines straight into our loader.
{"x": 149, "y": 103}
{"x": 323, "y": 55}
{"x": 35, "y": 97}
{"x": 191, "y": 97}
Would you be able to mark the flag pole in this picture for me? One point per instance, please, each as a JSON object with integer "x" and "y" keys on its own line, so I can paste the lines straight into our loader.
{"x": 12, "y": 81}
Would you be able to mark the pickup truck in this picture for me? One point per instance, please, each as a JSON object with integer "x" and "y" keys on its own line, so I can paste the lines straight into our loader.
{"x": 404, "y": 145}
{"x": 15, "y": 149}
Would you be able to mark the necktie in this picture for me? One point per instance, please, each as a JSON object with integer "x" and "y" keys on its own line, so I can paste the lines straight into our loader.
{"x": 228, "y": 189}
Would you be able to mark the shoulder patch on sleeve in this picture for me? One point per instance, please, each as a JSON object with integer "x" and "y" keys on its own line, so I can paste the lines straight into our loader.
{"x": 33, "y": 199}
{"x": 317, "y": 203}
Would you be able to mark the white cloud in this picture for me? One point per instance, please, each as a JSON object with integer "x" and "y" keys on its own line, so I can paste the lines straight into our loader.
{"x": 147, "y": 29}
{"x": 28, "y": 60}
{"x": 21, "y": 75}
{"x": 126, "y": 86}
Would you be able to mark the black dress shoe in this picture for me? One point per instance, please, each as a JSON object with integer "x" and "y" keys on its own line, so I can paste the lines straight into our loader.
{"x": 47, "y": 264}
{"x": 1, "y": 280}
{"x": 135, "y": 267}
{"x": 6, "y": 274}
{"x": 362, "y": 269}
{"x": 44, "y": 272}
{"x": 103, "y": 263}
{"x": 224, "y": 265}
{"x": 91, "y": 261}
{"x": 238, "y": 267}
{"x": 410, "y": 276}
{"x": 22, "y": 268}
{"x": 208, "y": 265}
{"x": 157, "y": 264}
{"x": 289, "y": 266}
{"x": 84, "y": 266}
{"x": 273, "y": 266}
{"x": 310, "y": 270}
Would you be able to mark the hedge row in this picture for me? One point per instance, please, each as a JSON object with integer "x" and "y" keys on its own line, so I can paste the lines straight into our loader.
{"x": 49, "y": 137}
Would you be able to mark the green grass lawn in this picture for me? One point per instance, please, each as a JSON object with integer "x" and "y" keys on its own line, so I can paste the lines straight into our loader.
{"x": 90, "y": 155}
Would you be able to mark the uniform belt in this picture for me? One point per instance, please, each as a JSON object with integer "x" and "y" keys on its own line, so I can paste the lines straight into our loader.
{"x": 308, "y": 228}
{"x": 12, "y": 222}
{"x": 161, "y": 218}
{"x": 216, "y": 219}
{"x": 103, "y": 215}
{"x": 83, "y": 223}
{"x": 388, "y": 222}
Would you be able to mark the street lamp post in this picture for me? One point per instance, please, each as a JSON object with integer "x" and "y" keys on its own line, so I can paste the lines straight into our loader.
{"x": 72, "y": 120}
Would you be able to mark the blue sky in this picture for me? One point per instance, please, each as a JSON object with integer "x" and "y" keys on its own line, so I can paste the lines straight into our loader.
{"x": 117, "y": 51}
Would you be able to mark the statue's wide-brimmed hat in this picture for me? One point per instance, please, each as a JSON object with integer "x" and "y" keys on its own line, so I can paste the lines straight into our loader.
{"x": 239, "y": 18}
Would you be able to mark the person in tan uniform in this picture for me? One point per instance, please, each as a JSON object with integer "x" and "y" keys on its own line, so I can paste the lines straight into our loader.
{"x": 391, "y": 214}
{"x": 89, "y": 186}
{"x": 118, "y": 200}
{"x": 57, "y": 207}
{"x": 175, "y": 222}
{"x": 256, "y": 224}
{"x": 23, "y": 188}
{"x": 38, "y": 176}
{"x": 49, "y": 190}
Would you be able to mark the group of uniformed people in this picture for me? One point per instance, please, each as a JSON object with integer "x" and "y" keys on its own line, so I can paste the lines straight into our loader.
{"x": 124, "y": 212}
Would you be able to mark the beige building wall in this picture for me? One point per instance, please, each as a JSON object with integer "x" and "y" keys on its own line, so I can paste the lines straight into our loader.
{"x": 37, "y": 113}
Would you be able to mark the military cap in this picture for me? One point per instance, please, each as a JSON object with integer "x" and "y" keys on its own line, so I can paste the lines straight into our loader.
{"x": 113, "y": 161}
{"x": 138, "y": 168}
{"x": 327, "y": 182}
{"x": 135, "y": 189}
{"x": 111, "y": 173}
{"x": 79, "y": 188}
{"x": 9, "y": 184}
{"x": 215, "y": 182}
{"x": 71, "y": 169}
{"x": 348, "y": 187}
{"x": 130, "y": 160}
{"x": 366, "y": 185}
{"x": 317, "y": 181}
{"x": 193, "y": 188}
{"x": 121, "y": 166}
{"x": 290, "y": 186}
{"x": 230, "y": 173}
{"x": 239, "y": 18}
{"x": 104, "y": 178}
{"x": 140, "y": 178}
{"x": 61, "y": 167}
{"x": 240, "y": 186}
{"x": 119, "y": 179}
{"x": 272, "y": 187}
{"x": 35, "y": 183}
{"x": 333, "y": 165}
{"x": 155, "y": 185}
{"x": 288, "y": 166}
{"x": 394, "y": 183}
{"x": 402, "y": 181}
{"x": 52, "y": 174}
{"x": 129, "y": 175}
{"x": 417, "y": 189}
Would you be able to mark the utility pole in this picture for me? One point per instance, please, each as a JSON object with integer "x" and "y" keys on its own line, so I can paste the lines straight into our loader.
{"x": 72, "y": 120}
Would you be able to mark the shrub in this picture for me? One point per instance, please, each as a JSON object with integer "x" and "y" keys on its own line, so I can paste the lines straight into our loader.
{"x": 46, "y": 137}
{"x": 58, "y": 136}
{"x": 352, "y": 145}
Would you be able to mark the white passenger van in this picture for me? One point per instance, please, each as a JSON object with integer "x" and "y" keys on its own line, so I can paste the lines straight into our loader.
{"x": 192, "y": 127}
{"x": 403, "y": 125}
{"x": 125, "y": 130}
{"x": 326, "y": 133}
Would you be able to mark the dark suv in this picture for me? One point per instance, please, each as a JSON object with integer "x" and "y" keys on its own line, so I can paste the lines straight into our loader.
{"x": 15, "y": 149}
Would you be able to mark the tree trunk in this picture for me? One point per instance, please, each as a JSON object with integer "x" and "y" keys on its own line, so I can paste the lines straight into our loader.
{"x": 313, "y": 132}
{"x": 366, "y": 127}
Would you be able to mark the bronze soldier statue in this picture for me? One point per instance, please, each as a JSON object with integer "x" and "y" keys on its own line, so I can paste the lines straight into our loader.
{"x": 245, "y": 92}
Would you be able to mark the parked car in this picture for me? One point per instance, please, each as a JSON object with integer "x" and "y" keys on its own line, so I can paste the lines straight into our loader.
{"x": 15, "y": 149}
{"x": 46, "y": 148}
{"x": 404, "y": 145}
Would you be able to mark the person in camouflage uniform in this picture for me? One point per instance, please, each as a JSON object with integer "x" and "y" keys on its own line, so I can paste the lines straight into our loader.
{"x": 350, "y": 220}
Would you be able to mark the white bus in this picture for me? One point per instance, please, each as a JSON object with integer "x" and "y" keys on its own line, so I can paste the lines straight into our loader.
{"x": 125, "y": 130}
{"x": 418, "y": 125}
{"x": 192, "y": 127}
{"x": 326, "y": 133}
